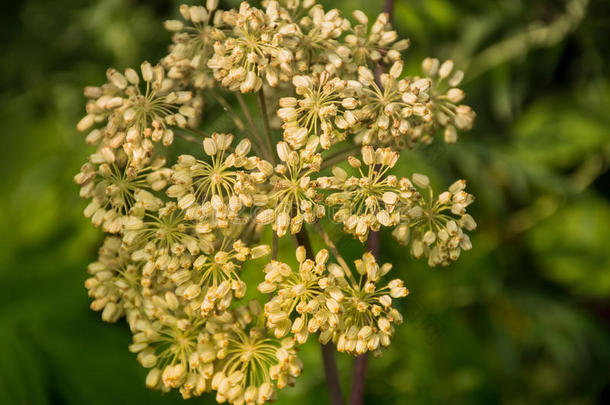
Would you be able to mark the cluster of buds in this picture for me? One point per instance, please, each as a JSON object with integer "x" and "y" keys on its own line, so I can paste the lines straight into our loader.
{"x": 220, "y": 188}
{"x": 446, "y": 97}
{"x": 302, "y": 292}
{"x": 257, "y": 44}
{"x": 193, "y": 44}
{"x": 185, "y": 219}
{"x": 367, "y": 316}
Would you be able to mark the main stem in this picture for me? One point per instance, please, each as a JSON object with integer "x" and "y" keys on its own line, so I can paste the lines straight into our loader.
{"x": 328, "y": 349}
{"x": 359, "y": 375}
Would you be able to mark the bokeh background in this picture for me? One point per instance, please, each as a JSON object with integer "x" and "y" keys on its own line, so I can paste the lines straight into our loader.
{"x": 523, "y": 318}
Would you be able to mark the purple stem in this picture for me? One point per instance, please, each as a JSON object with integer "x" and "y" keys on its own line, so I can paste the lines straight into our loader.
{"x": 328, "y": 349}
{"x": 359, "y": 376}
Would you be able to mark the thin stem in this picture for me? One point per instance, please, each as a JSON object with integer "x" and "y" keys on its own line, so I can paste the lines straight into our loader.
{"x": 328, "y": 241}
{"x": 259, "y": 139}
{"x": 357, "y": 392}
{"x": 360, "y": 362}
{"x": 227, "y": 107}
{"x": 339, "y": 156}
{"x": 236, "y": 120}
{"x": 332, "y": 375}
{"x": 263, "y": 106}
{"x": 274, "y": 246}
{"x": 188, "y": 137}
{"x": 328, "y": 349}
{"x": 388, "y": 8}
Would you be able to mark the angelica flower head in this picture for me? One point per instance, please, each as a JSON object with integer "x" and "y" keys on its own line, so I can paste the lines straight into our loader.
{"x": 114, "y": 284}
{"x": 112, "y": 184}
{"x": 222, "y": 185}
{"x": 184, "y": 224}
{"x": 136, "y": 109}
{"x": 192, "y": 44}
{"x": 254, "y": 48}
{"x": 377, "y": 44}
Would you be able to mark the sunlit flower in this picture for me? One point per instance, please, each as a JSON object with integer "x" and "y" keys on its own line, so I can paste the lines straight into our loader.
{"x": 222, "y": 185}
{"x": 135, "y": 111}
{"x": 111, "y": 184}
{"x": 445, "y": 98}
{"x": 158, "y": 235}
{"x": 170, "y": 343}
{"x": 214, "y": 279}
{"x": 184, "y": 236}
{"x": 393, "y": 107}
{"x": 374, "y": 45}
{"x": 115, "y": 281}
{"x": 193, "y": 44}
{"x": 319, "y": 48}
{"x": 251, "y": 364}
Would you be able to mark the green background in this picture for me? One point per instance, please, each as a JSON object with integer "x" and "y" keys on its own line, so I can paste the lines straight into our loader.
{"x": 523, "y": 318}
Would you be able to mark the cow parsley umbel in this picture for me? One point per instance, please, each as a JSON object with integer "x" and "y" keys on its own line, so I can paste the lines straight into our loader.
{"x": 186, "y": 208}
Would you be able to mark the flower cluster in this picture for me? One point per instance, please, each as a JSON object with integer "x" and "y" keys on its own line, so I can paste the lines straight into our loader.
{"x": 229, "y": 354}
{"x": 302, "y": 293}
{"x": 193, "y": 45}
{"x": 435, "y": 225}
{"x": 323, "y": 109}
{"x": 356, "y": 314}
{"x": 294, "y": 194}
{"x": 368, "y": 201}
{"x": 135, "y": 112}
{"x": 185, "y": 219}
{"x": 257, "y": 44}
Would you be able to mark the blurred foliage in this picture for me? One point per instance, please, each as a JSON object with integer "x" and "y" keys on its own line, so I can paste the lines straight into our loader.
{"x": 522, "y": 318}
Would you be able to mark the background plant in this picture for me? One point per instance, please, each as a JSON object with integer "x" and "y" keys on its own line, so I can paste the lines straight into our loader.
{"x": 528, "y": 330}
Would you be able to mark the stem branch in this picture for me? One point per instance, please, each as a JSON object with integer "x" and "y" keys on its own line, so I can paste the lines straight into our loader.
{"x": 339, "y": 156}
{"x": 254, "y": 129}
{"x": 263, "y": 107}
